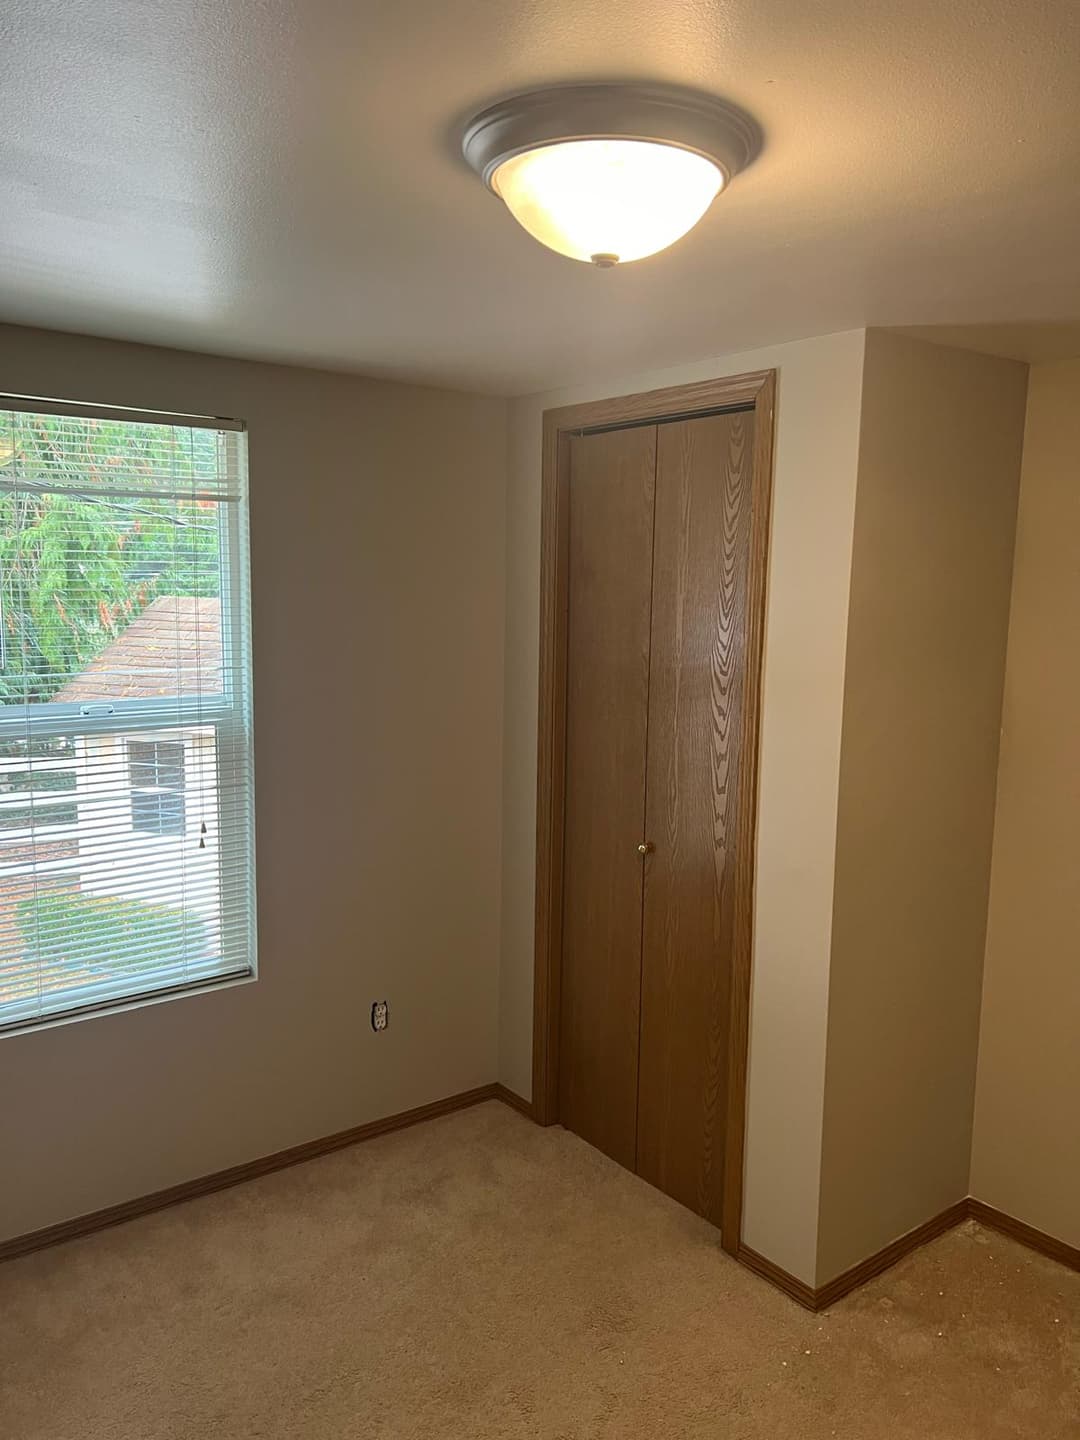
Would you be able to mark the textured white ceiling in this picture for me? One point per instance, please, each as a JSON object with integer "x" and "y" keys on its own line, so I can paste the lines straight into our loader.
{"x": 281, "y": 178}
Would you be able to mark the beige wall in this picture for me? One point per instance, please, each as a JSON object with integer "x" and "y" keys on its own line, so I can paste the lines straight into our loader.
{"x": 1026, "y": 1153}
{"x": 939, "y": 467}
{"x": 814, "y": 501}
{"x": 378, "y": 551}
{"x": 395, "y": 531}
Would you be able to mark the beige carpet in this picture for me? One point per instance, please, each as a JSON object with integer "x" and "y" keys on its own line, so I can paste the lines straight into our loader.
{"x": 478, "y": 1277}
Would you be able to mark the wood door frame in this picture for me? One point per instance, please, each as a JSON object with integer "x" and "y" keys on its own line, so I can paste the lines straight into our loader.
{"x": 755, "y": 392}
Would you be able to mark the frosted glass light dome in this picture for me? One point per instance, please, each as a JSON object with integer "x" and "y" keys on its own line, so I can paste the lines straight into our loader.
{"x": 609, "y": 173}
{"x": 607, "y": 201}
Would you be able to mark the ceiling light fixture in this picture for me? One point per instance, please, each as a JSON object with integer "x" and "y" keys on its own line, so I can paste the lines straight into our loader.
{"x": 609, "y": 173}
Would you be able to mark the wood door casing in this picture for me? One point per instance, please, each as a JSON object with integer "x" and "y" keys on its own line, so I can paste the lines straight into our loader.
{"x": 609, "y": 564}
{"x": 699, "y": 614}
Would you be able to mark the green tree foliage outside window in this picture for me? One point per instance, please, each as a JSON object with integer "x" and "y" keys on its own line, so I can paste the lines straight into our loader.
{"x": 77, "y": 567}
{"x": 75, "y": 931}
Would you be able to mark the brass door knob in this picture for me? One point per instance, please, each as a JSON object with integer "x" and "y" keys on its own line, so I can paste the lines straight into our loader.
{"x": 646, "y": 847}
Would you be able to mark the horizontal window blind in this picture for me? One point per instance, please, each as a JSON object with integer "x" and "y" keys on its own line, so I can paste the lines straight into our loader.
{"x": 126, "y": 785}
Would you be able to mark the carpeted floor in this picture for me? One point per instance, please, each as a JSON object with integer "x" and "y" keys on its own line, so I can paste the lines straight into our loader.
{"x": 477, "y": 1277}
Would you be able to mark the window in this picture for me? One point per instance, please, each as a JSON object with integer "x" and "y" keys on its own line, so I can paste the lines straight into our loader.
{"x": 156, "y": 768}
{"x": 126, "y": 832}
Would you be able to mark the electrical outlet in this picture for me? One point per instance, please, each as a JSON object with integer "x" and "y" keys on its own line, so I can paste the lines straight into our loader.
{"x": 380, "y": 1015}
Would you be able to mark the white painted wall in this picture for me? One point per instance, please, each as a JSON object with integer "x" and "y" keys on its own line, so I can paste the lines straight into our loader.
{"x": 377, "y": 587}
{"x": 935, "y": 522}
{"x": 820, "y": 391}
{"x": 1026, "y": 1150}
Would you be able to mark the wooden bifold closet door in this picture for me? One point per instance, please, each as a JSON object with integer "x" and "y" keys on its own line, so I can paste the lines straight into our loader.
{"x": 657, "y": 562}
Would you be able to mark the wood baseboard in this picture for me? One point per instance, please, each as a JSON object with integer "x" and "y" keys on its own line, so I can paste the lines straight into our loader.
{"x": 821, "y": 1297}
{"x": 811, "y": 1298}
{"x": 1048, "y": 1245}
{"x": 828, "y": 1294}
{"x": 514, "y": 1100}
{"x": 798, "y": 1290}
{"x": 238, "y": 1174}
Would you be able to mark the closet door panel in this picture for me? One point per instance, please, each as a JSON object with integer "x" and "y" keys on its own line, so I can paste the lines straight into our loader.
{"x": 703, "y": 497}
{"x": 610, "y": 562}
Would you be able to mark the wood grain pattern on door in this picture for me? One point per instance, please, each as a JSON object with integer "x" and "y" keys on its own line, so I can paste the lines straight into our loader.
{"x": 607, "y": 677}
{"x": 702, "y": 515}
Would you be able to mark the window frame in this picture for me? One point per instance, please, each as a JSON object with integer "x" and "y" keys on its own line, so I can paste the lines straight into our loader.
{"x": 166, "y": 796}
{"x": 228, "y": 714}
